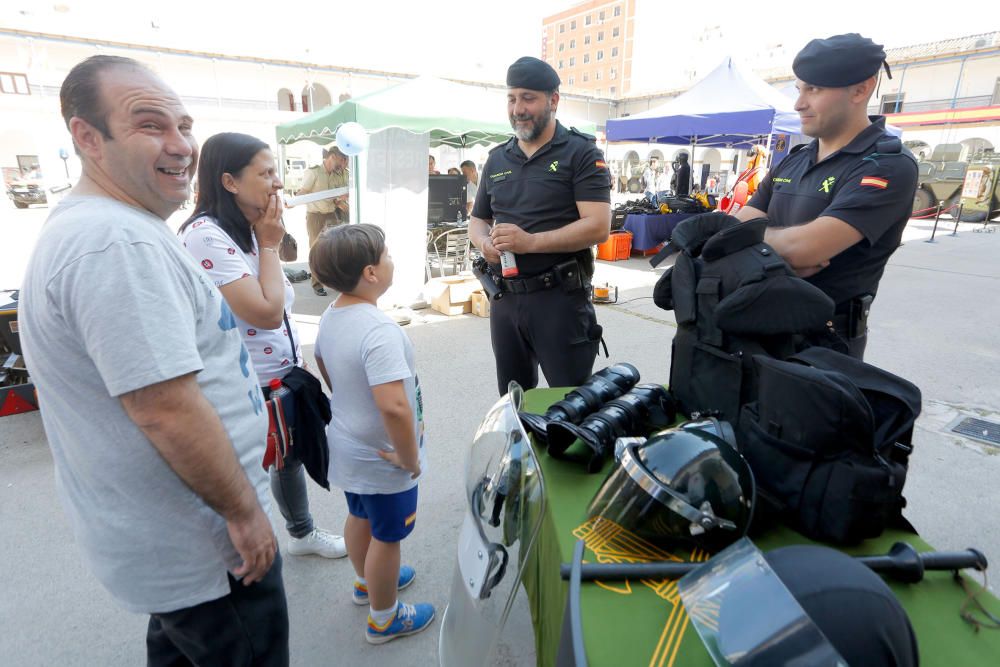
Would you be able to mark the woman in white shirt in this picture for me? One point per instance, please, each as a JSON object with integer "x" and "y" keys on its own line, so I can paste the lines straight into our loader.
{"x": 234, "y": 234}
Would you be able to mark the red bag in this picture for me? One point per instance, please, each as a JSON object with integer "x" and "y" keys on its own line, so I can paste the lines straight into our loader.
{"x": 280, "y": 411}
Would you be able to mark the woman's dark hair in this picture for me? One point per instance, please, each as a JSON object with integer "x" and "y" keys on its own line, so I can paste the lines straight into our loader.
{"x": 225, "y": 153}
{"x": 340, "y": 254}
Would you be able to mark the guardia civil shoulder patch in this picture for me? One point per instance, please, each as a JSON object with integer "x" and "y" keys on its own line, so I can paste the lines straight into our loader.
{"x": 875, "y": 182}
{"x": 601, "y": 164}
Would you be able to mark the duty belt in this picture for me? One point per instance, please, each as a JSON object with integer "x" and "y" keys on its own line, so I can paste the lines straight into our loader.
{"x": 543, "y": 281}
{"x": 567, "y": 274}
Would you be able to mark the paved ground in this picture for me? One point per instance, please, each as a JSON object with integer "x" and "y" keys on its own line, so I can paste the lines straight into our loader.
{"x": 933, "y": 323}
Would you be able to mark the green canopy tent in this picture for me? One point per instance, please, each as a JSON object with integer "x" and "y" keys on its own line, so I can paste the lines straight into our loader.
{"x": 454, "y": 114}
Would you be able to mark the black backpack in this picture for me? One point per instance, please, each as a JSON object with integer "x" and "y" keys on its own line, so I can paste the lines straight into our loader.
{"x": 733, "y": 297}
{"x": 828, "y": 440}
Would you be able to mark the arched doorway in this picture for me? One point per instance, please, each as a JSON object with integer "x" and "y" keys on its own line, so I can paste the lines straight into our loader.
{"x": 710, "y": 170}
{"x": 286, "y": 100}
{"x": 974, "y": 145}
{"x": 920, "y": 149}
{"x": 631, "y": 171}
{"x": 315, "y": 96}
{"x": 321, "y": 96}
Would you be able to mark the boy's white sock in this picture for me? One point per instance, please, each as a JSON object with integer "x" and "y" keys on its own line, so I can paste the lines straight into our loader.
{"x": 383, "y": 617}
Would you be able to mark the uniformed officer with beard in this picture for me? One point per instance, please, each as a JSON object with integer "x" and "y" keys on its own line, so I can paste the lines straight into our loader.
{"x": 544, "y": 196}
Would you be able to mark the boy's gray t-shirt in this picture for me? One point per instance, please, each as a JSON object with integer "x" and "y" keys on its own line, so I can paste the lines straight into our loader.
{"x": 112, "y": 303}
{"x": 362, "y": 347}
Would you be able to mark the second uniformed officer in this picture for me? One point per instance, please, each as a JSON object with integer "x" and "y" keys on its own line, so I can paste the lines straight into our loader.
{"x": 544, "y": 196}
{"x": 838, "y": 205}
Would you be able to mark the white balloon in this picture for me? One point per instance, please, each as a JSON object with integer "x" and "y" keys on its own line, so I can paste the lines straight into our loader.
{"x": 352, "y": 138}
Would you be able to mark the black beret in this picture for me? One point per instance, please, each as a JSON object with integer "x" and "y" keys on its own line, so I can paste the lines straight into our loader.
{"x": 533, "y": 74}
{"x": 839, "y": 61}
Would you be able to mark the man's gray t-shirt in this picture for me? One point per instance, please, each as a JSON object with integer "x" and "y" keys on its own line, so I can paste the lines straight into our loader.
{"x": 362, "y": 347}
{"x": 112, "y": 303}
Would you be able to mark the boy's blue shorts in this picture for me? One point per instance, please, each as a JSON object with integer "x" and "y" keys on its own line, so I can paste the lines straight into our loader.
{"x": 392, "y": 515}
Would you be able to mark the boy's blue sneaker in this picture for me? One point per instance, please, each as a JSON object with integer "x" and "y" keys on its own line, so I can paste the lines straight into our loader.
{"x": 406, "y": 576}
{"x": 409, "y": 620}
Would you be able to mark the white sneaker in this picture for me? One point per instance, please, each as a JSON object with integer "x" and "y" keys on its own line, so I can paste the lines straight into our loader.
{"x": 319, "y": 543}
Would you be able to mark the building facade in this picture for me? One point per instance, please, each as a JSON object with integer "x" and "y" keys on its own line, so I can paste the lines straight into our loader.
{"x": 590, "y": 46}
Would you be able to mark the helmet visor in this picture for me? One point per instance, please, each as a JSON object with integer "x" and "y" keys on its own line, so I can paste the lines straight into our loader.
{"x": 726, "y": 599}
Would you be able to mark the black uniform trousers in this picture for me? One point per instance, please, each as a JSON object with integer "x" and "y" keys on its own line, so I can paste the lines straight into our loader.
{"x": 552, "y": 328}
{"x": 247, "y": 628}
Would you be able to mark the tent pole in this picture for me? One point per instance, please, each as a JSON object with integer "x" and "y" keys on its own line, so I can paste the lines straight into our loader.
{"x": 694, "y": 142}
{"x": 281, "y": 161}
{"x": 357, "y": 188}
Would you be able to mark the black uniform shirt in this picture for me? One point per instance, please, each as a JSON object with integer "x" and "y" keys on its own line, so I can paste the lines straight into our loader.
{"x": 539, "y": 193}
{"x": 871, "y": 191}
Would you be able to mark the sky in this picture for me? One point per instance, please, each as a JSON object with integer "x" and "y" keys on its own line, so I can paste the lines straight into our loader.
{"x": 464, "y": 39}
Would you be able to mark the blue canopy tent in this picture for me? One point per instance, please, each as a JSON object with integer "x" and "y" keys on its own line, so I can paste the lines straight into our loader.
{"x": 729, "y": 108}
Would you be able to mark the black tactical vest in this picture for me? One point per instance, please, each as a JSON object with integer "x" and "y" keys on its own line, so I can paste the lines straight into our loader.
{"x": 733, "y": 297}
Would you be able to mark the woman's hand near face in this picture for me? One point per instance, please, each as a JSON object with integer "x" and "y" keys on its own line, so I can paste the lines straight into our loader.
{"x": 269, "y": 229}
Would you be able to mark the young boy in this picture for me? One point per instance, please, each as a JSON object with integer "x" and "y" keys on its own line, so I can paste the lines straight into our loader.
{"x": 376, "y": 433}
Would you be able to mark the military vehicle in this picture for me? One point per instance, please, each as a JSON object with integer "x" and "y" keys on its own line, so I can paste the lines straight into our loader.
{"x": 974, "y": 184}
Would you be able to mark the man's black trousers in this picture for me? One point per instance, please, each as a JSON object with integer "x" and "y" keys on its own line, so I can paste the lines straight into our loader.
{"x": 552, "y": 328}
{"x": 247, "y": 628}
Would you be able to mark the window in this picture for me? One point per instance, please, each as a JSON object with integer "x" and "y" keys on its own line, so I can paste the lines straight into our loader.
{"x": 572, "y": 81}
{"x": 614, "y": 51}
{"x": 586, "y": 21}
{"x": 597, "y": 92}
{"x": 600, "y": 36}
{"x": 572, "y": 43}
{"x": 597, "y": 75}
{"x": 611, "y": 91}
{"x": 572, "y": 61}
{"x": 618, "y": 11}
{"x": 572, "y": 25}
{"x": 12, "y": 83}
{"x": 613, "y": 74}
{"x": 891, "y": 103}
{"x": 561, "y": 47}
{"x": 560, "y": 64}
{"x": 600, "y": 17}
{"x": 562, "y": 27}
{"x": 586, "y": 58}
{"x": 616, "y": 31}
{"x": 586, "y": 39}
{"x": 586, "y": 77}
{"x": 600, "y": 55}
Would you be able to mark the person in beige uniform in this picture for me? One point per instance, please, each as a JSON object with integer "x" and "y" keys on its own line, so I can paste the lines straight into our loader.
{"x": 326, "y": 212}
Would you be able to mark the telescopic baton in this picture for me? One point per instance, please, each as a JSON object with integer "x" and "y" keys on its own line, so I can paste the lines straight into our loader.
{"x": 903, "y": 563}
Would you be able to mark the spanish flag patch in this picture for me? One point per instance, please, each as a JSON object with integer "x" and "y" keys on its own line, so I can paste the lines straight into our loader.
{"x": 875, "y": 182}
{"x": 410, "y": 519}
{"x": 601, "y": 164}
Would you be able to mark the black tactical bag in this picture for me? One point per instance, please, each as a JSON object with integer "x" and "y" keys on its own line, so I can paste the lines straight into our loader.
{"x": 828, "y": 440}
{"x": 733, "y": 297}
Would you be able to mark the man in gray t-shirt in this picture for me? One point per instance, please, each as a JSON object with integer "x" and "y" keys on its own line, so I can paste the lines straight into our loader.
{"x": 150, "y": 404}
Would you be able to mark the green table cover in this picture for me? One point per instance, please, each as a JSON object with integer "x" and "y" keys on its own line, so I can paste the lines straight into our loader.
{"x": 644, "y": 623}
